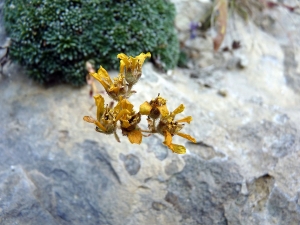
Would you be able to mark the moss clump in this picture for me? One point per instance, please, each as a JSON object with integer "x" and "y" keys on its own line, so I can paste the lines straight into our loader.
{"x": 54, "y": 38}
{"x": 183, "y": 60}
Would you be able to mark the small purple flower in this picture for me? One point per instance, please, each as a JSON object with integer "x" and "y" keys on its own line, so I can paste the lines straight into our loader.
{"x": 193, "y": 29}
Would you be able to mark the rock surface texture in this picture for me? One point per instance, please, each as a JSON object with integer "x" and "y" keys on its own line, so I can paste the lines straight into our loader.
{"x": 244, "y": 168}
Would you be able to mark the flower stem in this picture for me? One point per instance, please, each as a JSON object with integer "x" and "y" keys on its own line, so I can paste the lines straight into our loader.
{"x": 129, "y": 92}
{"x": 153, "y": 125}
{"x": 117, "y": 137}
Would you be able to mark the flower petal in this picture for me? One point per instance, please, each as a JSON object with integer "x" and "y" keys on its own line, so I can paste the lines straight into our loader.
{"x": 99, "y": 101}
{"x": 122, "y": 113}
{"x": 161, "y": 100}
{"x": 127, "y": 105}
{"x": 187, "y": 119}
{"x": 145, "y": 108}
{"x": 135, "y": 137}
{"x": 90, "y": 119}
{"x": 134, "y": 62}
{"x": 118, "y": 107}
{"x": 98, "y": 124}
{"x": 124, "y": 58}
{"x": 122, "y": 66}
{"x": 103, "y": 77}
{"x": 103, "y": 74}
{"x": 114, "y": 89}
{"x": 141, "y": 57}
{"x": 168, "y": 139}
{"x": 178, "y": 110}
{"x": 186, "y": 136}
{"x": 123, "y": 104}
{"x": 163, "y": 110}
{"x": 179, "y": 149}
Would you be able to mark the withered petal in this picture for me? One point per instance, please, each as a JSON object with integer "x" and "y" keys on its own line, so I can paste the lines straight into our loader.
{"x": 127, "y": 105}
{"x": 122, "y": 113}
{"x": 163, "y": 110}
{"x": 103, "y": 77}
{"x": 141, "y": 57}
{"x": 187, "y": 136}
{"x": 179, "y": 149}
{"x": 124, "y": 58}
{"x": 122, "y": 66}
{"x": 123, "y": 104}
{"x": 103, "y": 74}
{"x": 135, "y": 137}
{"x": 134, "y": 61}
{"x": 178, "y": 110}
{"x": 187, "y": 119}
{"x": 145, "y": 108}
{"x": 114, "y": 89}
{"x": 168, "y": 138}
{"x": 90, "y": 119}
{"x": 99, "y": 101}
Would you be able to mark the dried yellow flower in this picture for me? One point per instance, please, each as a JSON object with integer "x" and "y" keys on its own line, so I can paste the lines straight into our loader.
{"x": 155, "y": 108}
{"x": 132, "y": 66}
{"x": 107, "y": 118}
{"x": 129, "y": 122}
{"x": 115, "y": 88}
{"x": 123, "y": 117}
{"x": 179, "y": 149}
{"x": 168, "y": 127}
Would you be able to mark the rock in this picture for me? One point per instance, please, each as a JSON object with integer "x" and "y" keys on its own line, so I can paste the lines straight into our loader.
{"x": 158, "y": 206}
{"x": 182, "y": 24}
{"x": 243, "y": 62}
{"x": 201, "y": 51}
{"x": 203, "y": 187}
{"x": 200, "y": 44}
{"x": 132, "y": 163}
{"x": 223, "y": 92}
{"x": 291, "y": 66}
{"x": 283, "y": 210}
{"x": 19, "y": 202}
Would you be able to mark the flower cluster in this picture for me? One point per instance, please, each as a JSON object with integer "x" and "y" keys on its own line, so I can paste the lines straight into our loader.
{"x": 109, "y": 119}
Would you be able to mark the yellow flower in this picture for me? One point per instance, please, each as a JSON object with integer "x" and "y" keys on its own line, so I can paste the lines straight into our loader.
{"x": 160, "y": 120}
{"x": 129, "y": 122}
{"x": 114, "y": 88}
{"x": 132, "y": 66}
{"x": 155, "y": 108}
{"x": 169, "y": 127}
{"x": 107, "y": 118}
